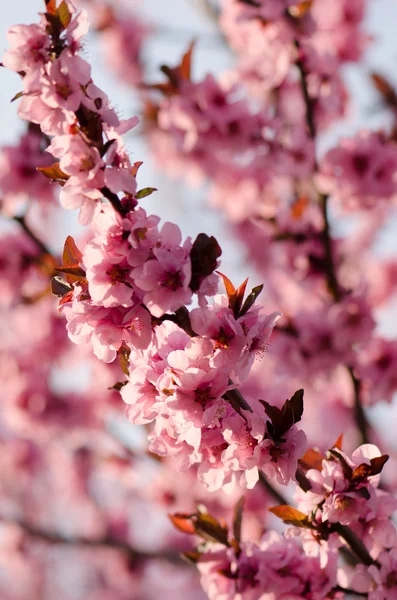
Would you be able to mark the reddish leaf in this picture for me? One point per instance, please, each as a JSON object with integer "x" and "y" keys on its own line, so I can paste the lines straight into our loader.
{"x": 183, "y": 522}
{"x": 51, "y": 7}
{"x": 54, "y": 173}
{"x": 75, "y": 270}
{"x": 338, "y": 443}
{"x": 290, "y": 515}
{"x": 71, "y": 254}
{"x": 375, "y": 468}
{"x": 311, "y": 460}
{"x": 282, "y": 420}
{"x": 208, "y": 528}
{"x": 298, "y": 207}
{"x": 186, "y": 62}
{"x": 67, "y": 298}
{"x": 230, "y": 289}
{"x": 298, "y": 11}
{"x": 204, "y": 259}
{"x": 135, "y": 168}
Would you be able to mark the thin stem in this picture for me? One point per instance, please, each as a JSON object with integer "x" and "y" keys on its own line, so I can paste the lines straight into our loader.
{"x": 33, "y": 236}
{"x": 330, "y": 270}
{"x": 361, "y": 419}
{"x": 355, "y": 543}
{"x": 339, "y": 588}
{"x": 310, "y": 120}
{"x": 55, "y": 538}
{"x": 278, "y": 496}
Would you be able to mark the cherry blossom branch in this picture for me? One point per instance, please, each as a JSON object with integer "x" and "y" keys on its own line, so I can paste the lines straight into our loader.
{"x": 56, "y": 538}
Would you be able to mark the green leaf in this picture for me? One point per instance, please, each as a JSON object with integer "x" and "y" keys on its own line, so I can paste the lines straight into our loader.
{"x": 251, "y": 299}
{"x": 145, "y": 192}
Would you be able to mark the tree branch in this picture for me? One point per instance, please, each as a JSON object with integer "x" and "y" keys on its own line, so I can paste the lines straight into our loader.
{"x": 33, "y": 236}
{"x": 330, "y": 270}
{"x": 55, "y": 538}
{"x": 355, "y": 543}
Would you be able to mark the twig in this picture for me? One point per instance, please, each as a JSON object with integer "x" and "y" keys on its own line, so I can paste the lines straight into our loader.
{"x": 339, "y": 588}
{"x": 361, "y": 419}
{"x": 33, "y": 236}
{"x": 50, "y": 537}
{"x": 330, "y": 270}
{"x": 355, "y": 543}
{"x": 272, "y": 491}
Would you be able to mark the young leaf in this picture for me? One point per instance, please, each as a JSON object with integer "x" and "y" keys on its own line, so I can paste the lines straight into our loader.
{"x": 282, "y": 420}
{"x": 60, "y": 287}
{"x": 75, "y": 270}
{"x": 145, "y": 192}
{"x": 64, "y": 14}
{"x": 186, "y": 62}
{"x": 229, "y": 287}
{"x": 71, "y": 254}
{"x": 208, "y": 528}
{"x": 204, "y": 259}
{"x": 51, "y": 7}
{"x": 312, "y": 460}
{"x": 338, "y": 443}
{"x": 135, "y": 168}
{"x": 17, "y": 96}
{"x": 290, "y": 515}
{"x": 124, "y": 355}
{"x": 251, "y": 299}
{"x": 54, "y": 173}
{"x": 183, "y": 522}
{"x": 375, "y": 468}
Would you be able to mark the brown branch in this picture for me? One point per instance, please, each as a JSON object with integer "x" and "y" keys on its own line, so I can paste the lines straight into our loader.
{"x": 330, "y": 270}
{"x": 55, "y": 538}
{"x": 339, "y": 588}
{"x": 361, "y": 419}
{"x": 355, "y": 543}
{"x": 33, "y": 236}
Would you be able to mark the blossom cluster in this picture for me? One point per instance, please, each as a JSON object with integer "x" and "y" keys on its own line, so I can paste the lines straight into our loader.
{"x": 131, "y": 273}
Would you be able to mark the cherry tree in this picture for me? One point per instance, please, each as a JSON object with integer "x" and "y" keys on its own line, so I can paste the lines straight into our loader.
{"x": 260, "y": 474}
